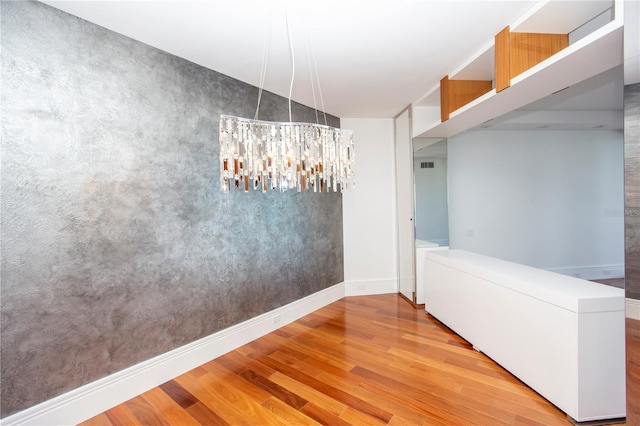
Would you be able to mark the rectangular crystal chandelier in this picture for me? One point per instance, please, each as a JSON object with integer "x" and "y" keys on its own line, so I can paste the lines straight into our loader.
{"x": 270, "y": 155}
{"x": 266, "y": 155}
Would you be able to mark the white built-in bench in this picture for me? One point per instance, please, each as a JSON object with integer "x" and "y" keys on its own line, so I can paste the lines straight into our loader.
{"x": 562, "y": 336}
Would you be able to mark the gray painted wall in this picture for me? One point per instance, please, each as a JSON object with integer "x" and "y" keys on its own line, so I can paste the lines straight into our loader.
{"x": 632, "y": 189}
{"x": 117, "y": 242}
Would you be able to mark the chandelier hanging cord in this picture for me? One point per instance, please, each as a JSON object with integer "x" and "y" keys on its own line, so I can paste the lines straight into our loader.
{"x": 293, "y": 59}
{"x": 308, "y": 48}
{"x": 315, "y": 63}
{"x": 263, "y": 67}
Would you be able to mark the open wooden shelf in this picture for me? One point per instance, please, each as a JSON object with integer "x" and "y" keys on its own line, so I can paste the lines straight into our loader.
{"x": 553, "y": 46}
{"x": 457, "y": 93}
{"x": 518, "y": 52}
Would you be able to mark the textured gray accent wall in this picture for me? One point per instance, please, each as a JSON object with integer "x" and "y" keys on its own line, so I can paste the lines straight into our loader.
{"x": 117, "y": 242}
{"x": 632, "y": 189}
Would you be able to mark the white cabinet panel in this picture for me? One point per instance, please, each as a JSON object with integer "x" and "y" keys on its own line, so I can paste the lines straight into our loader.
{"x": 562, "y": 336}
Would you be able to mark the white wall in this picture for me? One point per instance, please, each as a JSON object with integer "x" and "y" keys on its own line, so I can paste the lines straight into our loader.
{"x": 548, "y": 199}
{"x": 368, "y": 211}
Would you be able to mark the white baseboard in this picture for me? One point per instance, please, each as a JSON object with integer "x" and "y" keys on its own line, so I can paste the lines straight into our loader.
{"x": 632, "y": 308}
{"x": 94, "y": 398}
{"x": 599, "y": 272}
{"x": 366, "y": 287}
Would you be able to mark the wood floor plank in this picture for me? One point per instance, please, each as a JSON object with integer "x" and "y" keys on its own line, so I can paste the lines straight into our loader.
{"x": 455, "y": 371}
{"x": 287, "y": 413}
{"x": 320, "y": 399}
{"x": 429, "y": 402}
{"x": 394, "y": 403}
{"x": 265, "y": 345}
{"x": 340, "y": 355}
{"x": 178, "y": 394}
{"x": 296, "y": 363}
{"x": 99, "y": 420}
{"x": 361, "y": 360}
{"x": 533, "y": 405}
{"x": 322, "y": 416}
{"x": 279, "y": 392}
{"x": 435, "y": 414}
{"x": 322, "y": 331}
{"x": 288, "y": 349}
{"x": 323, "y": 366}
{"x": 338, "y": 327}
{"x": 322, "y": 349}
{"x": 526, "y": 421}
{"x": 335, "y": 393}
{"x": 396, "y": 420}
{"x": 242, "y": 396}
{"x": 436, "y": 345}
{"x": 238, "y": 362}
{"x": 120, "y": 415}
{"x": 208, "y": 396}
{"x": 408, "y": 373}
{"x": 358, "y": 418}
{"x": 205, "y": 416}
{"x": 220, "y": 375}
{"x": 475, "y": 365}
{"x": 482, "y": 364}
{"x": 145, "y": 412}
{"x": 173, "y": 412}
{"x": 244, "y": 350}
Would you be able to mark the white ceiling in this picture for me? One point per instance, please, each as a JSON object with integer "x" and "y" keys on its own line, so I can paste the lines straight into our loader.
{"x": 373, "y": 57}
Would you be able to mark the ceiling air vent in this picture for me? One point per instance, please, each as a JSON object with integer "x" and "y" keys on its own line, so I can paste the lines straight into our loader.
{"x": 426, "y": 165}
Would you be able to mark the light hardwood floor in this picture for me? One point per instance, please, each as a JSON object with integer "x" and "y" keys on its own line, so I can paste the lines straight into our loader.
{"x": 363, "y": 360}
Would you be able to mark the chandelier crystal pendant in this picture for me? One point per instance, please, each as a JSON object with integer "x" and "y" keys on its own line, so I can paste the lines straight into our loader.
{"x": 284, "y": 155}
{"x": 268, "y": 155}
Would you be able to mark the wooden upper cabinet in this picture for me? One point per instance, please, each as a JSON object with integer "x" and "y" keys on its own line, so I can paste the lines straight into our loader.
{"x": 517, "y": 52}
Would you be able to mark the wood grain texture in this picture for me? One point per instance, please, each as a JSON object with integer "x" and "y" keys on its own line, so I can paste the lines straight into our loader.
{"x": 502, "y": 63}
{"x": 517, "y": 52}
{"x": 461, "y": 92}
{"x": 529, "y": 49}
{"x": 444, "y": 98}
{"x": 366, "y": 360}
{"x": 457, "y": 93}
